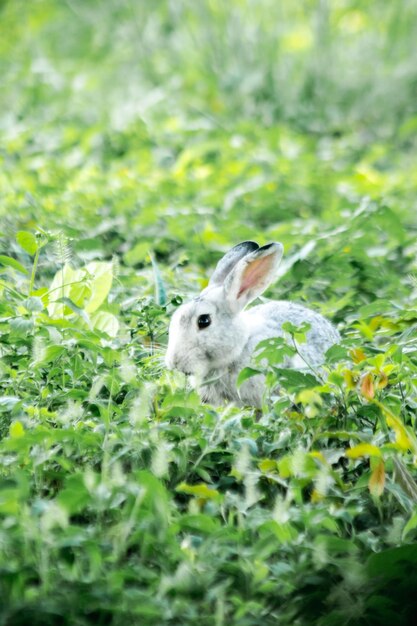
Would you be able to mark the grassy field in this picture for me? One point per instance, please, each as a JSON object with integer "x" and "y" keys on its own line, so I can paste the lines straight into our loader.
{"x": 139, "y": 141}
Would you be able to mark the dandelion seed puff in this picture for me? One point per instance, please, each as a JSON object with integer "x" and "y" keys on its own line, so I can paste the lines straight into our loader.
{"x": 62, "y": 248}
{"x": 160, "y": 459}
{"x": 38, "y": 350}
{"x": 127, "y": 370}
{"x": 141, "y": 407}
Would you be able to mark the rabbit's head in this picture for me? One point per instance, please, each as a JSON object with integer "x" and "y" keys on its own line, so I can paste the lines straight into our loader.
{"x": 210, "y": 333}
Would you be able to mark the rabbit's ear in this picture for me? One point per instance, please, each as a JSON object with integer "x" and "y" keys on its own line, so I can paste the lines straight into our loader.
{"x": 230, "y": 259}
{"x": 252, "y": 275}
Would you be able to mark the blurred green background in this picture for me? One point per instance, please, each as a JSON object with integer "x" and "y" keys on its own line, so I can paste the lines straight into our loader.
{"x": 186, "y": 127}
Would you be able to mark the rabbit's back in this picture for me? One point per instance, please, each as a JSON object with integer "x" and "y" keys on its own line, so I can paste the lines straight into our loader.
{"x": 266, "y": 320}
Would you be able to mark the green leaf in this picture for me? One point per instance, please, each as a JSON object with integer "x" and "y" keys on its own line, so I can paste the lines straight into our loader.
{"x": 27, "y": 241}
{"x": 9, "y": 501}
{"x": 336, "y": 353}
{"x": 247, "y": 372}
{"x": 64, "y": 285}
{"x": 16, "y": 430}
{"x": 284, "y": 532}
{"x": 106, "y": 322}
{"x": 404, "y": 479}
{"x": 293, "y": 379}
{"x": 157, "y": 499}
{"x": 339, "y": 434}
{"x": 375, "y": 308}
{"x": 86, "y": 288}
{"x": 410, "y": 525}
{"x": 100, "y": 285}
{"x": 391, "y": 563}
{"x": 273, "y": 350}
{"x": 9, "y": 262}
{"x": 74, "y": 497}
{"x": 49, "y": 355}
{"x": 199, "y": 523}
{"x": 75, "y": 309}
{"x": 335, "y": 545}
{"x": 33, "y": 303}
{"x": 137, "y": 254}
{"x": 298, "y": 332}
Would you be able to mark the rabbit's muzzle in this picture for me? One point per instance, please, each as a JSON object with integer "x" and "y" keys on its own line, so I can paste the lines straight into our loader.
{"x": 174, "y": 362}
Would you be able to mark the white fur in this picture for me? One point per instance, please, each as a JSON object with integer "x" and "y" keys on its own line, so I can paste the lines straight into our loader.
{"x": 215, "y": 355}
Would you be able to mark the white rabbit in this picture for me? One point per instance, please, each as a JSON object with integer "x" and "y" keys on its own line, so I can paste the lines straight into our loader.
{"x": 213, "y": 337}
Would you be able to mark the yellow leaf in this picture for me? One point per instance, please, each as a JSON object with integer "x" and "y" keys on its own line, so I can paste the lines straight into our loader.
{"x": 316, "y": 454}
{"x": 383, "y": 380}
{"x": 316, "y": 496}
{"x": 377, "y": 481}
{"x": 349, "y": 379}
{"x": 367, "y": 387}
{"x": 267, "y": 465}
{"x": 404, "y": 437}
{"x": 401, "y": 435}
{"x": 363, "y": 449}
{"x": 357, "y": 355}
{"x": 375, "y": 322}
{"x": 309, "y": 396}
{"x": 200, "y": 491}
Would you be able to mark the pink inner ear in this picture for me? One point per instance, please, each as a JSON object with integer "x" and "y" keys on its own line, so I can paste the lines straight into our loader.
{"x": 255, "y": 274}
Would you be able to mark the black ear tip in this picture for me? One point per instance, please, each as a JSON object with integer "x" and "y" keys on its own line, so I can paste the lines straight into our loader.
{"x": 270, "y": 245}
{"x": 250, "y": 246}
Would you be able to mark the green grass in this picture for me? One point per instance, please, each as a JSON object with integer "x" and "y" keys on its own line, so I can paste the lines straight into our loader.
{"x": 139, "y": 141}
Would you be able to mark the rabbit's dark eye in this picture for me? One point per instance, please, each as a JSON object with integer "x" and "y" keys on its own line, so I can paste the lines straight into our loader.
{"x": 203, "y": 321}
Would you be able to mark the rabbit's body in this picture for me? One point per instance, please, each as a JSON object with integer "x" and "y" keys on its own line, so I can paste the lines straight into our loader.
{"x": 213, "y": 338}
{"x": 264, "y": 322}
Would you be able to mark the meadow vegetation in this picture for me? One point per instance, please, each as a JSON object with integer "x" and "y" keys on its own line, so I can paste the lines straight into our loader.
{"x": 139, "y": 141}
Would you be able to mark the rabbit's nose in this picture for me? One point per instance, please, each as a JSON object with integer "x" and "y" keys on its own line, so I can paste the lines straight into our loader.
{"x": 173, "y": 362}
